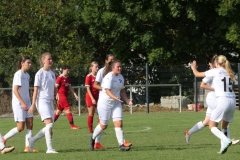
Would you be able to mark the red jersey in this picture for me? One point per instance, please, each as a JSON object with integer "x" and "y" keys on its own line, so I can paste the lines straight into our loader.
{"x": 89, "y": 81}
{"x": 63, "y": 84}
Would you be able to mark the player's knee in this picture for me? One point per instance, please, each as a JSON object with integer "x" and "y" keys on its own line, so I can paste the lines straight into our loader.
{"x": 20, "y": 128}
{"x": 58, "y": 112}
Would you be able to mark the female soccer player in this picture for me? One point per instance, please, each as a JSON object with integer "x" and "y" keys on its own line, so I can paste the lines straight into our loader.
{"x": 109, "y": 104}
{"x": 91, "y": 94}
{"x": 21, "y": 102}
{"x": 97, "y": 85}
{"x": 43, "y": 96}
{"x": 63, "y": 84}
{"x": 3, "y": 148}
{"x": 222, "y": 77}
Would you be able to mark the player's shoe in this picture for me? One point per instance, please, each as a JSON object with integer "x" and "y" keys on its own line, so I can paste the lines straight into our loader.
{"x": 51, "y": 151}
{"x": 31, "y": 144}
{"x": 7, "y": 150}
{"x": 4, "y": 140}
{"x": 187, "y": 136}
{"x": 74, "y": 127}
{"x": 124, "y": 148}
{"x": 235, "y": 141}
{"x": 127, "y": 144}
{"x": 27, "y": 150}
{"x": 92, "y": 142}
{"x": 97, "y": 145}
{"x": 223, "y": 149}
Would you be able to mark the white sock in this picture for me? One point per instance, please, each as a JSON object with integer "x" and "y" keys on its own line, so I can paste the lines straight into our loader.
{"x": 28, "y": 134}
{"x": 1, "y": 143}
{"x": 119, "y": 135}
{"x": 219, "y": 134}
{"x": 40, "y": 134}
{"x": 228, "y": 131}
{"x": 197, "y": 127}
{"x": 97, "y": 131}
{"x": 98, "y": 138}
{"x": 48, "y": 135}
{"x": 11, "y": 133}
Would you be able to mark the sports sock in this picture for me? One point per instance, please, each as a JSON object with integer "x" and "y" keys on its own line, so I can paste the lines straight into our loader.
{"x": 11, "y": 133}
{"x": 1, "y": 143}
{"x": 28, "y": 134}
{"x": 90, "y": 123}
{"x": 197, "y": 127}
{"x": 40, "y": 134}
{"x": 55, "y": 117}
{"x": 219, "y": 134}
{"x": 119, "y": 135}
{"x": 48, "y": 135}
{"x": 228, "y": 131}
{"x": 97, "y": 131}
{"x": 70, "y": 119}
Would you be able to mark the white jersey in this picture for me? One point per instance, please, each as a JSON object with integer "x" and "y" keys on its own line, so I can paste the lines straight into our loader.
{"x": 45, "y": 80}
{"x": 112, "y": 82}
{"x": 21, "y": 79}
{"x": 222, "y": 83}
{"x": 99, "y": 76}
{"x": 209, "y": 81}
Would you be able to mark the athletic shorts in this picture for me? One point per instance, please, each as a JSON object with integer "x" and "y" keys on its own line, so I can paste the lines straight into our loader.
{"x": 225, "y": 108}
{"x": 63, "y": 104}
{"x": 20, "y": 115}
{"x": 109, "y": 109}
{"x": 45, "y": 108}
{"x": 89, "y": 100}
{"x": 211, "y": 103}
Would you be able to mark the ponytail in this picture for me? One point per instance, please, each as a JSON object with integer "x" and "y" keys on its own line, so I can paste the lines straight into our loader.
{"x": 223, "y": 62}
{"x": 229, "y": 70}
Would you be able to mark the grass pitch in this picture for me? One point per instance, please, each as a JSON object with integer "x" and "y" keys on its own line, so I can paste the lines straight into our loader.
{"x": 154, "y": 136}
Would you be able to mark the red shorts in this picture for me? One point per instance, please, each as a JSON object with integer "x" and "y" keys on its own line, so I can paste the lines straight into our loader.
{"x": 63, "y": 104}
{"x": 89, "y": 100}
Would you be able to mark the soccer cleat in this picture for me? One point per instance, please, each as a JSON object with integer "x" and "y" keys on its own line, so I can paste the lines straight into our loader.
{"x": 124, "y": 148}
{"x": 74, "y": 127}
{"x": 51, "y": 151}
{"x": 92, "y": 142}
{"x": 187, "y": 136}
{"x": 227, "y": 143}
{"x": 97, "y": 145}
{"x": 7, "y": 150}
{"x": 127, "y": 144}
{"x": 31, "y": 144}
{"x": 4, "y": 140}
{"x": 27, "y": 150}
{"x": 235, "y": 141}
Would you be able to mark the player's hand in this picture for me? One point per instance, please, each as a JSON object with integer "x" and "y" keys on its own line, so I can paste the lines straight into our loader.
{"x": 76, "y": 97}
{"x": 129, "y": 102}
{"x": 194, "y": 65}
{"x": 93, "y": 101}
{"x": 119, "y": 100}
{"x": 24, "y": 106}
{"x": 57, "y": 97}
{"x": 31, "y": 110}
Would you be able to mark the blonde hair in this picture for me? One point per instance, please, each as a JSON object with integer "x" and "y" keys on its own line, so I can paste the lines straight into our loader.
{"x": 213, "y": 60}
{"x": 223, "y": 62}
{"x": 42, "y": 57}
{"x": 92, "y": 63}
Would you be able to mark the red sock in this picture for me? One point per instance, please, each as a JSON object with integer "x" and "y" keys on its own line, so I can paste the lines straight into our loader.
{"x": 70, "y": 119}
{"x": 55, "y": 117}
{"x": 90, "y": 123}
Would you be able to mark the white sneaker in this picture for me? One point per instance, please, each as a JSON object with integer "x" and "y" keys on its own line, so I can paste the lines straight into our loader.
{"x": 31, "y": 144}
{"x": 224, "y": 148}
{"x": 187, "y": 136}
{"x": 235, "y": 141}
{"x": 51, "y": 151}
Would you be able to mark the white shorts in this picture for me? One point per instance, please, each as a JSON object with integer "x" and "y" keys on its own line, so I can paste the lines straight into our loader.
{"x": 45, "y": 108}
{"x": 224, "y": 110}
{"x": 211, "y": 103}
{"x": 107, "y": 110}
{"x": 20, "y": 115}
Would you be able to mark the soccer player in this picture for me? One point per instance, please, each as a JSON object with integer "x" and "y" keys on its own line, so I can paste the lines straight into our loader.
{"x": 222, "y": 77}
{"x": 21, "y": 102}
{"x": 211, "y": 102}
{"x": 63, "y": 84}
{"x": 97, "y": 85}
{"x": 109, "y": 105}
{"x": 3, "y": 148}
{"x": 91, "y": 94}
{"x": 43, "y": 96}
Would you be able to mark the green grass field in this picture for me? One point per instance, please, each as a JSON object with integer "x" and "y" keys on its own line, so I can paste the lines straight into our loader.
{"x": 154, "y": 136}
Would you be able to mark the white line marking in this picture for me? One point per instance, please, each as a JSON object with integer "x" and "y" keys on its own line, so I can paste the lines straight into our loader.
{"x": 144, "y": 130}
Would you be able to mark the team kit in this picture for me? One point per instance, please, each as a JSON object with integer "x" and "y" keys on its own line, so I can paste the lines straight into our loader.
{"x": 105, "y": 93}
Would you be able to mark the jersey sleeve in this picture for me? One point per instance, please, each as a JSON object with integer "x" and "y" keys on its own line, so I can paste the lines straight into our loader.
{"x": 17, "y": 79}
{"x": 87, "y": 80}
{"x": 37, "y": 81}
{"x": 210, "y": 73}
{"x": 207, "y": 79}
{"x": 107, "y": 81}
{"x": 99, "y": 76}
